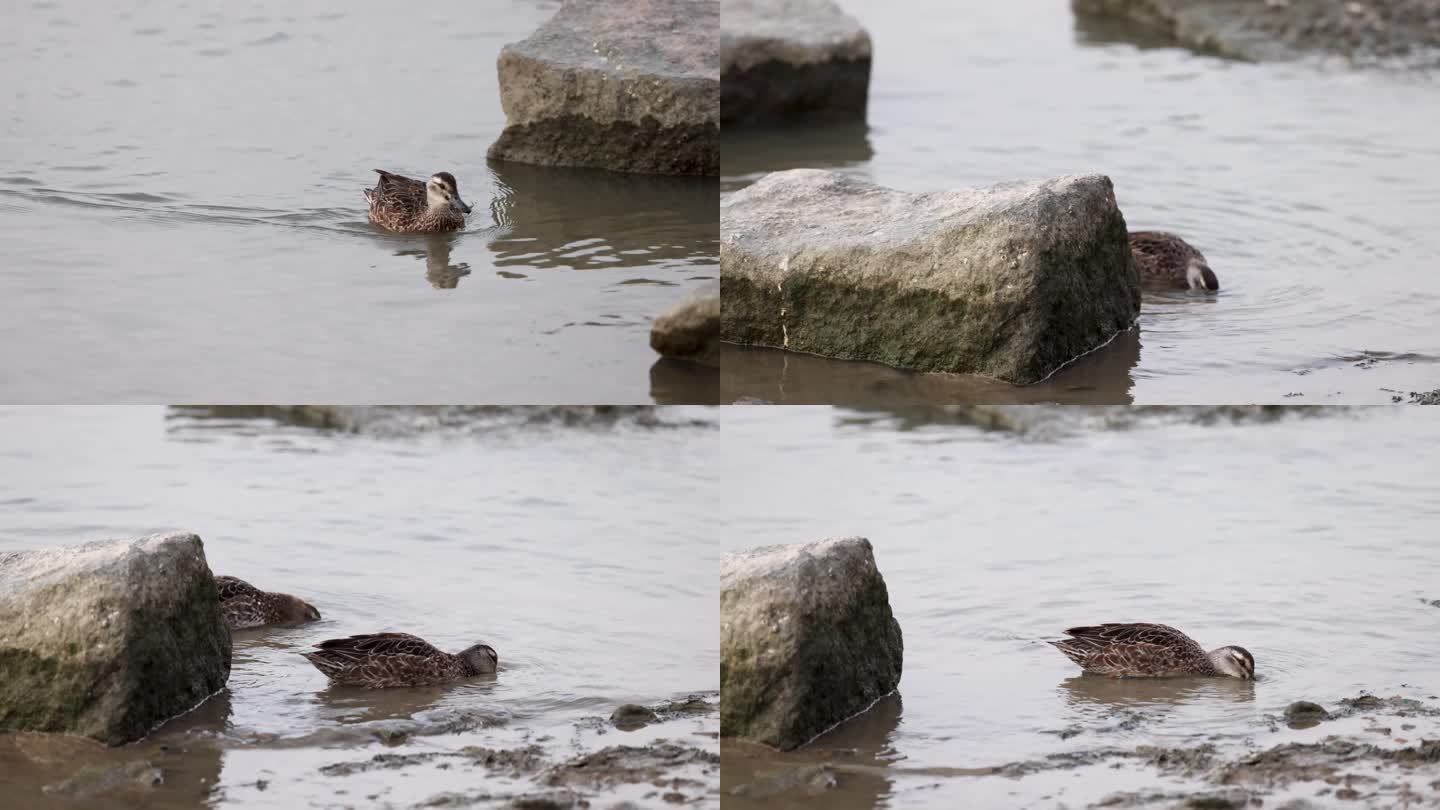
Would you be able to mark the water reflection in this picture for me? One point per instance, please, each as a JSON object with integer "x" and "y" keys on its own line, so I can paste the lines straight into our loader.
{"x": 747, "y": 154}
{"x": 439, "y": 270}
{"x": 1091, "y": 691}
{"x": 589, "y": 218}
{"x": 1104, "y": 376}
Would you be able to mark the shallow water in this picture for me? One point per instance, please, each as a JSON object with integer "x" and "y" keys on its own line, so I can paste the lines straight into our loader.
{"x": 573, "y": 551}
{"x": 1312, "y": 190}
{"x": 1309, "y": 540}
{"x": 181, "y": 216}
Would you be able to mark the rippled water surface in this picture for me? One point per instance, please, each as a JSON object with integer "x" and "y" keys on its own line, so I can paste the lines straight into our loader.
{"x": 1312, "y": 190}
{"x": 575, "y": 552}
{"x": 181, "y": 216}
{"x": 1309, "y": 541}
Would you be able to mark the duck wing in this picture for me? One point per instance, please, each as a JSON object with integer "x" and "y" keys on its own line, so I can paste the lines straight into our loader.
{"x": 1157, "y": 248}
{"x": 397, "y": 190}
{"x": 379, "y": 645}
{"x": 233, "y": 587}
{"x": 1133, "y": 648}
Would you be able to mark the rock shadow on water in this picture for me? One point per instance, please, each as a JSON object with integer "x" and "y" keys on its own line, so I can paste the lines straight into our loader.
{"x": 634, "y": 220}
{"x": 1104, "y": 376}
{"x": 680, "y": 382}
{"x": 846, "y": 767}
{"x": 180, "y": 760}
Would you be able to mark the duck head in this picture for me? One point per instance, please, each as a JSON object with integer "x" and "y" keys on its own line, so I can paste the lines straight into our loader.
{"x": 443, "y": 192}
{"x": 294, "y": 610}
{"x": 1200, "y": 277}
{"x": 1237, "y": 662}
{"x": 481, "y": 659}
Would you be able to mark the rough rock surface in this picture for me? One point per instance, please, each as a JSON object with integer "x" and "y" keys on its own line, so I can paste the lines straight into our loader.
{"x": 791, "y": 60}
{"x": 627, "y": 85}
{"x": 1011, "y": 281}
{"x": 807, "y": 639}
{"x": 108, "y": 639}
{"x": 690, "y": 331}
{"x": 1400, "y": 32}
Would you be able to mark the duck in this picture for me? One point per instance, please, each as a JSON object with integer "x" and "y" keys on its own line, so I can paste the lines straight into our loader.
{"x": 245, "y": 606}
{"x": 1164, "y": 259}
{"x": 383, "y": 660}
{"x": 1150, "y": 651}
{"x": 405, "y": 205}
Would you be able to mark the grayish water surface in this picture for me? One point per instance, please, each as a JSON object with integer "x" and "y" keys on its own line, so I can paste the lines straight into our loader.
{"x": 1309, "y": 541}
{"x": 575, "y": 552}
{"x": 1312, "y": 190}
{"x": 181, "y": 216}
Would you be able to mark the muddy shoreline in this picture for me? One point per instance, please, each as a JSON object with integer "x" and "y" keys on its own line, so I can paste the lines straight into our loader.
{"x": 1383, "y": 752}
{"x": 675, "y": 761}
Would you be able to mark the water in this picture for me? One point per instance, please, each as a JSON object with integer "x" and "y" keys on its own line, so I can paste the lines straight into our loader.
{"x": 181, "y": 216}
{"x": 575, "y": 552}
{"x": 1309, "y": 541}
{"x": 1311, "y": 190}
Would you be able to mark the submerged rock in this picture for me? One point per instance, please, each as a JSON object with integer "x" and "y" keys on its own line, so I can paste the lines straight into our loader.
{"x": 93, "y": 780}
{"x": 1011, "y": 281}
{"x": 627, "y": 764}
{"x": 690, "y": 331}
{"x": 626, "y": 85}
{"x": 807, "y": 639}
{"x": 1403, "y": 32}
{"x": 791, "y": 60}
{"x": 109, "y": 639}
{"x": 1304, "y": 714}
{"x": 632, "y": 716}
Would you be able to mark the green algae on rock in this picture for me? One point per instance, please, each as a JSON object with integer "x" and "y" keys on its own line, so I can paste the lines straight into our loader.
{"x": 109, "y": 639}
{"x": 630, "y": 85}
{"x": 807, "y": 639}
{"x": 690, "y": 330}
{"x": 791, "y": 61}
{"x": 1011, "y": 281}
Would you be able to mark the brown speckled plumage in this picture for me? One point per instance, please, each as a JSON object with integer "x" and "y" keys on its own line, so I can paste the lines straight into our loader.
{"x": 246, "y": 606}
{"x": 1165, "y": 259}
{"x": 403, "y": 205}
{"x": 1148, "y": 651}
{"x": 383, "y": 660}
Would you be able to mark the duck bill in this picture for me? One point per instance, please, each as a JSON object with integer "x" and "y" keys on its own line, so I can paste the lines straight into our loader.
{"x": 460, "y": 205}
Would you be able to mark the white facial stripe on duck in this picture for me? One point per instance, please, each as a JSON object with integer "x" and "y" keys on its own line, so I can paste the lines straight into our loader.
{"x": 442, "y": 190}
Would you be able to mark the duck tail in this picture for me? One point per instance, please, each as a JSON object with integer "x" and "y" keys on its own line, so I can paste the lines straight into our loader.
{"x": 329, "y": 667}
{"x": 1072, "y": 650}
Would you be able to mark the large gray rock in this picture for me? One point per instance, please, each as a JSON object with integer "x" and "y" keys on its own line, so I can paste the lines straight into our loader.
{"x": 1400, "y": 32}
{"x": 807, "y": 639}
{"x": 791, "y": 60}
{"x": 109, "y": 639}
{"x": 627, "y": 85}
{"x": 691, "y": 330}
{"x": 1011, "y": 281}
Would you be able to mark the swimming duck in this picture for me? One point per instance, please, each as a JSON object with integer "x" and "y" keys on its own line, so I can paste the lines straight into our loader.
{"x": 410, "y": 206}
{"x": 1150, "y": 651}
{"x": 381, "y": 660}
{"x": 245, "y": 605}
{"x": 1166, "y": 259}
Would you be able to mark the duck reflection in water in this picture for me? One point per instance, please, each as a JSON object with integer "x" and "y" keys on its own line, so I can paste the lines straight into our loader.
{"x": 435, "y": 250}
{"x": 1133, "y": 693}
